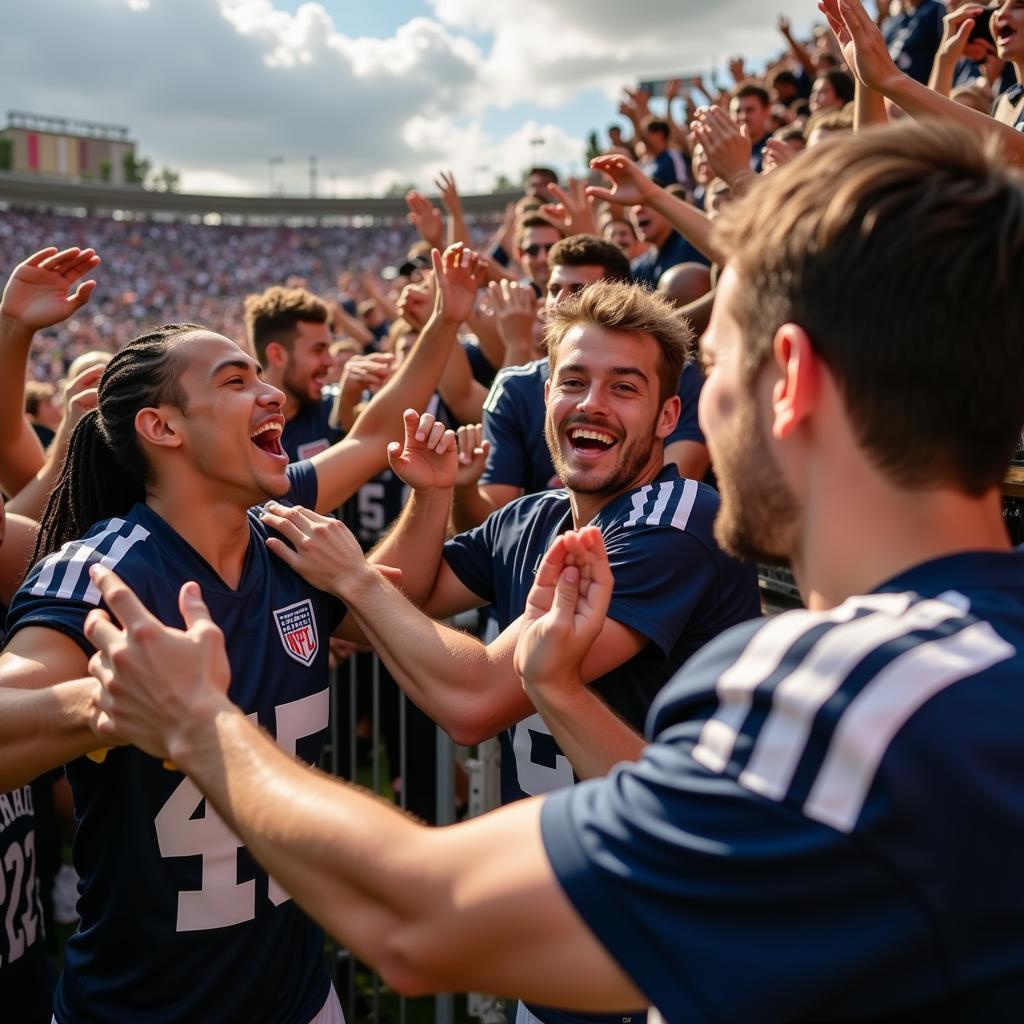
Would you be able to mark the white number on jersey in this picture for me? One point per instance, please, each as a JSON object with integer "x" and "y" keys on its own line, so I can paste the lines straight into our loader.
{"x": 15, "y": 881}
{"x": 222, "y": 900}
{"x": 540, "y": 765}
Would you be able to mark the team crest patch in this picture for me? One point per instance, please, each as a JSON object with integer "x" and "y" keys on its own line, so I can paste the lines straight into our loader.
{"x": 296, "y": 625}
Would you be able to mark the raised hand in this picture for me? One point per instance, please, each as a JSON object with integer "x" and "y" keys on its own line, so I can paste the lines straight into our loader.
{"x": 738, "y": 69}
{"x": 861, "y": 43}
{"x": 629, "y": 184}
{"x": 784, "y": 26}
{"x": 445, "y": 184}
{"x": 672, "y": 89}
{"x": 776, "y": 154}
{"x": 473, "y": 449}
{"x": 515, "y": 310}
{"x": 458, "y": 272}
{"x": 81, "y": 395}
{"x": 425, "y": 218}
{"x": 956, "y": 30}
{"x": 726, "y": 144}
{"x": 573, "y": 212}
{"x": 153, "y": 679}
{"x": 36, "y": 294}
{"x": 368, "y": 372}
{"x": 428, "y": 458}
{"x": 565, "y": 609}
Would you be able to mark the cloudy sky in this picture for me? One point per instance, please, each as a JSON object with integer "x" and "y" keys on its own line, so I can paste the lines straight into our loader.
{"x": 380, "y": 91}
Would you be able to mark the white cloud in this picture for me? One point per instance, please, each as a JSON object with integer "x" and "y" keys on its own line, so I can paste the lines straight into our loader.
{"x": 215, "y": 88}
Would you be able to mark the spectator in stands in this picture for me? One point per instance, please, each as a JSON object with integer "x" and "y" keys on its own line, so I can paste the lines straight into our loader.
{"x": 287, "y": 328}
{"x": 662, "y": 162}
{"x": 667, "y": 246}
{"x": 785, "y": 87}
{"x": 1008, "y": 28}
{"x": 535, "y": 239}
{"x": 912, "y": 36}
{"x": 750, "y": 107}
{"x": 822, "y": 126}
{"x": 832, "y": 91}
{"x": 43, "y": 409}
{"x": 537, "y": 181}
{"x": 622, "y": 232}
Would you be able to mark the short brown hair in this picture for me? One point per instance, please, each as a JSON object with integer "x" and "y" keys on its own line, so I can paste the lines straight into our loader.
{"x": 534, "y": 220}
{"x": 898, "y": 251}
{"x": 591, "y": 251}
{"x": 273, "y": 316}
{"x": 36, "y": 393}
{"x": 617, "y": 306}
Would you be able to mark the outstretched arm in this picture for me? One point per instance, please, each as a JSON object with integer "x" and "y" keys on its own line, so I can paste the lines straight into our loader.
{"x": 35, "y": 297}
{"x": 343, "y": 468}
{"x": 865, "y": 52}
{"x": 630, "y": 185}
{"x": 473, "y": 906}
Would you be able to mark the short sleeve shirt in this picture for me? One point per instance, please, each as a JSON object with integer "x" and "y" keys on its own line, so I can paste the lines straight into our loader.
{"x": 827, "y": 822}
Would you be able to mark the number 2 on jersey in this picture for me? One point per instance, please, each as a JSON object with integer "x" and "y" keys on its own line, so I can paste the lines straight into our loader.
{"x": 223, "y": 900}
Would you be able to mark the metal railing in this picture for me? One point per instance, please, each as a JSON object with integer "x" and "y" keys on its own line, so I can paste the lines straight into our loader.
{"x": 365, "y": 705}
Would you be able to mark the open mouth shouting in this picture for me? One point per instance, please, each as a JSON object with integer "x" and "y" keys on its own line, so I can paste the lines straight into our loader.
{"x": 590, "y": 442}
{"x": 267, "y": 437}
{"x": 1005, "y": 35}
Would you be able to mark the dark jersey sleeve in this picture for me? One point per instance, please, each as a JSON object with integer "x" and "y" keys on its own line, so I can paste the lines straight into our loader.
{"x": 687, "y": 878}
{"x": 483, "y": 372}
{"x": 305, "y": 484}
{"x": 470, "y": 556}
{"x": 690, "y": 384}
{"x": 661, "y": 575}
{"x": 504, "y": 421}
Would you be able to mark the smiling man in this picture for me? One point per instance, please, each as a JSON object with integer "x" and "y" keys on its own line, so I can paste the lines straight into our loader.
{"x": 290, "y": 335}
{"x": 160, "y": 482}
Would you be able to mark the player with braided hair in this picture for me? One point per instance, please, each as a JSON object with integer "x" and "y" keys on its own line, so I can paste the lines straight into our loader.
{"x": 160, "y": 481}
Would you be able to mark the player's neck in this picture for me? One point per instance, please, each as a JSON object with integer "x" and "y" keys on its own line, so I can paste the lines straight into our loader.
{"x": 217, "y": 529}
{"x": 586, "y": 506}
{"x": 864, "y": 539}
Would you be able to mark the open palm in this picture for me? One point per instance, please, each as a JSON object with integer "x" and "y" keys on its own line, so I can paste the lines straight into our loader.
{"x": 36, "y": 294}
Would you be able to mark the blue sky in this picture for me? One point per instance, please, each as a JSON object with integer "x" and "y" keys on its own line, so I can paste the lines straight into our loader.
{"x": 379, "y": 92}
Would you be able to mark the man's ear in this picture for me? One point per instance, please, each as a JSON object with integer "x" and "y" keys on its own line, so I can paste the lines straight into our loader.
{"x": 158, "y": 426}
{"x": 668, "y": 417}
{"x": 277, "y": 354}
{"x": 547, "y": 390}
{"x": 795, "y": 393}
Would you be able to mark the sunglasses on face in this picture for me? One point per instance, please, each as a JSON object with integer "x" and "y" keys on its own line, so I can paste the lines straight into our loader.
{"x": 537, "y": 248}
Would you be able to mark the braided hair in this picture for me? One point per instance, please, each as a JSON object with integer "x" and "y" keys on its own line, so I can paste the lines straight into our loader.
{"x": 105, "y": 470}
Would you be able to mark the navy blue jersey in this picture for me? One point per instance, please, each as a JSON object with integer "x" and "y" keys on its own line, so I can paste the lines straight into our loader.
{"x": 828, "y": 822}
{"x": 374, "y": 507}
{"x": 913, "y": 38}
{"x": 309, "y": 431}
{"x": 178, "y": 922}
{"x": 648, "y": 268}
{"x": 514, "y": 425}
{"x": 672, "y": 584}
{"x": 26, "y": 977}
{"x": 483, "y": 372}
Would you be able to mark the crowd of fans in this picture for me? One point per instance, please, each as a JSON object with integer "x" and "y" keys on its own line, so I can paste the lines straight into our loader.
{"x": 481, "y": 329}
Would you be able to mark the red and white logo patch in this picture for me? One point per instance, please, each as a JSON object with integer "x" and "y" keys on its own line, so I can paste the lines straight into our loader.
{"x": 296, "y": 626}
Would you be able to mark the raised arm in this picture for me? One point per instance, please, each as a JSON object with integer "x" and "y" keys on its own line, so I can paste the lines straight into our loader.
{"x": 865, "y": 52}
{"x": 796, "y": 48}
{"x": 473, "y": 906}
{"x": 35, "y": 297}
{"x": 343, "y": 468}
{"x": 452, "y": 202}
{"x": 79, "y": 398}
{"x": 630, "y": 186}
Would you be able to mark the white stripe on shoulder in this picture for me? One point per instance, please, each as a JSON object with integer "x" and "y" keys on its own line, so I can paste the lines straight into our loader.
{"x": 884, "y": 706}
{"x": 117, "y": 551}
{"x": 498, "y": 385}
{"x": 760, "y": 659}
{"x": 60, "y": 559}
{"x": 664, "y": 492}
{"x": 782, "y": 739}
{"x": 64, "y": 571}
{"x": 639, "y": 500}
{"x": 685, "y": 506}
